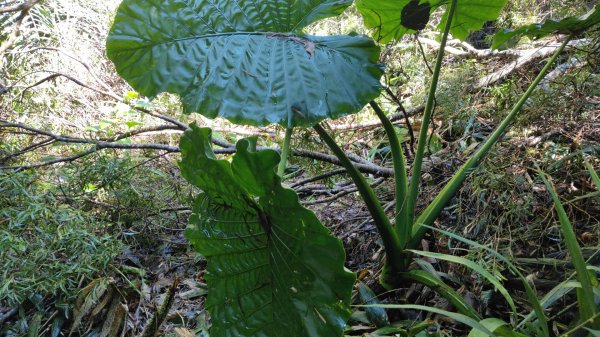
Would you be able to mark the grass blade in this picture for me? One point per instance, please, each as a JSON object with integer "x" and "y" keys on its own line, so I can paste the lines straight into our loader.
{"x": 595, "y": 333}
{"x": 587, "y": 306}
{"x": 551, "y": 297}
{"x": 581, "y": 326}
{"x": 531, "y": 296}
{"x": 443, "y": 290}
{"x": 593, "y": 173}
{"x": 497, "y": 326}
{"x": 475, "y": 267}
{"x": 455, "y": 316}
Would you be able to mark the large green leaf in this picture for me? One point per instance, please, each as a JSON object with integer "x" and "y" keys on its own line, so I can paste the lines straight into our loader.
{"x": 385, "y": 17}
{"x": 273, "y": 268}
{"x": 247, "y": 61}
{"x": 471, "y": 15}
{"x": 392, "y": 19}
{"x": 570, "y": 25}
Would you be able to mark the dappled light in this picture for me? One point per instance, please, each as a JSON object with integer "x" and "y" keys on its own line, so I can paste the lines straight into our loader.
{"x": 309, "y": 168}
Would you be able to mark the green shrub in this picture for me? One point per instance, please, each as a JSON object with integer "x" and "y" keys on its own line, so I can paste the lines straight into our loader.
{"x": 47, "y": 247}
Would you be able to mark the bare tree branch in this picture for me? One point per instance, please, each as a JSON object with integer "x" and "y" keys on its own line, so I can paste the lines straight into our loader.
{"x": 50, "y": 162}
{"x": 341, "y": 194}
{"x": 140, "y": 131}
{"x": 29, "y": 148}
{"x": 24, "y": 8}
{"x": 72, "y": 57}
{"x": 319, "y": 177}
{"x": 19, "y": 7}
{"x": 228, "y": 148}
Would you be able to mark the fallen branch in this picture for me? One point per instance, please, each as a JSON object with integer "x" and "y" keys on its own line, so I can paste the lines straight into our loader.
{"x": 527, "y": 57}
{"x": 377, "y": 123}
{"x": 29, "y": 148}
{"x": 573, "y": 62}
{"x": 470, "y": 50}
{"x": 341, "y": 194}
{"x": 524, "y": 57}
{"x": 317, "y": 178}
{"x": 140, "y": 131}
{"x": 227, "y": 148}
{"x": 364, "y": 168}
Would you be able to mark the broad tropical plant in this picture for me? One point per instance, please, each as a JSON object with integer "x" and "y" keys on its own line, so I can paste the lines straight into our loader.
{"x": 272, "y": 266}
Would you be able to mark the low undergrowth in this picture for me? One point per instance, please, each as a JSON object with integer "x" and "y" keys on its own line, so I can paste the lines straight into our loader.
{"x": 47, "y": 248}
{"x": 116, "y": 222}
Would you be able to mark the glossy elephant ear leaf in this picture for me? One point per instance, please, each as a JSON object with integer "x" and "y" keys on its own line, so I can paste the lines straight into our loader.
{"x": 273, "y": 268}
{"x": 392, "y": 19}
{"x": 247, "y": 61}
{"x": 570, "y": 25}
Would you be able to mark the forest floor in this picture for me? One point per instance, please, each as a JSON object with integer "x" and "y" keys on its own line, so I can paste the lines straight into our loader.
{"x": 99, "y": 239}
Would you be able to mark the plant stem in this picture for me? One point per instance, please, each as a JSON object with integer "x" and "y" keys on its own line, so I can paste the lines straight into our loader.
{"x": 285, "y": 152}
{"x": 585, "y": 295}
{"x": 415, "y": 177}
{"x": 391, "y": 243}
{"x": 402, "y": 221}
{"x": 433, "y": 210}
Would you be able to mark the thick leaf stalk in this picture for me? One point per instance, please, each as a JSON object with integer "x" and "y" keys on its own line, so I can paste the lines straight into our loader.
{"x": 402, "y": 221}
{"x": 415, "y": 178}
{"x": 285, "y": 152}
{"x": 394, "y": 259}
{"x": 441, "y": 200}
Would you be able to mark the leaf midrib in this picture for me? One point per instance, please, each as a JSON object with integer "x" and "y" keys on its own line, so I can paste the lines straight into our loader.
{"x": 209, "y": 36}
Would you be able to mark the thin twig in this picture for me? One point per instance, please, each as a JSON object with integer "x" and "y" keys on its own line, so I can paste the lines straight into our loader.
{"x": 29, "y": 148}
{"x": 319, "y": 177}
{"x": 74, "y": 58}
{"x": 20, "y": 7}
{"x": 401, "y": 108}
{"x": 341, "y": 194}
{"x": 111, "y": 95}
{"x": 14, "y": 34}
